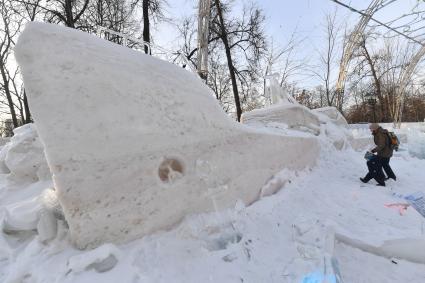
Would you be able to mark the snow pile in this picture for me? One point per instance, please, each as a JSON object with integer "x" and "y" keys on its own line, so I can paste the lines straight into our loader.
{"x": 288, "y": 117}
{"x": 23, "y": 157}
{"x": 4, "y": 140}
{"x": 135, "y": 143}
{"x": 295, "y": 119}
{"x": 333, "y": 114}
{"x": 324, "y": 224}
{"x": 26, "y": 174}
{"x": 334, "y": 127}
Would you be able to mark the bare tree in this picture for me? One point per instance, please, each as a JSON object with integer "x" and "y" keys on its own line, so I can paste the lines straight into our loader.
{"x": 151, "y": 9}
{"x": 68, "y": 12}
{"x": 383, "y": 66}
{"x": 285, "y": 61}
{"x": 9, "y": 28}
{"x": 26, "y": 12}
{"x": 243, "y": 41}
{"x": 235, "y": 42}
{"x": 219, "y": 81}
{"x": 224, "y": 37}
{"x": 327, "y": 58}
{"x": 371, "y": 62}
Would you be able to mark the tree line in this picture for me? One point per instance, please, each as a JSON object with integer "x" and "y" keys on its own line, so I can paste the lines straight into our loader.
{"x": 241, "y": 56}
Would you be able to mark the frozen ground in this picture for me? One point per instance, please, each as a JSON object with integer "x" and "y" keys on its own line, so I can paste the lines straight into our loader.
{"x": 281, "y": 238}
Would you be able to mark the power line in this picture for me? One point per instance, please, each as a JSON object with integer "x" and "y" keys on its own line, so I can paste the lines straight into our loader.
{"x": 379, "y": 22}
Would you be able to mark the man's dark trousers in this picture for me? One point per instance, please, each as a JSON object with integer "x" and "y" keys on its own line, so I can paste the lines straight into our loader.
{"x": 387, "y": 168}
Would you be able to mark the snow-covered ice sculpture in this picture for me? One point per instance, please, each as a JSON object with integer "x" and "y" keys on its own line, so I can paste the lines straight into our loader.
{"x": 285, "y": 110}
{"x": 333, "y": 114}
{"x": 335, "y": 127}
{"x": 294, "y": 116}
{"x": 278, "y": 94}
{"x": 135, "y": 143}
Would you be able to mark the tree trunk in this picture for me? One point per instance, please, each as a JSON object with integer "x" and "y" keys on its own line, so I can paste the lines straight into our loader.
{"x": 146, "y": 28}
{"x": 377, "y": 83}
{"x": 229, "y": 61}
{"x": 68, "y": 14}
{"x": 9, "y": 96}
{"x": 28, "y": 118}
{"x": 21, "y": 111}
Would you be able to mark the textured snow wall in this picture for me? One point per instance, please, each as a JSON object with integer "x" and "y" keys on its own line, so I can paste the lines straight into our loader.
{"x": 135, "y": 143}
{"x": 416, "y": 140}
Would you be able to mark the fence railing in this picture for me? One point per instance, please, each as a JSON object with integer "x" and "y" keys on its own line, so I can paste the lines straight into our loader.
{"x": 126, "y": 40}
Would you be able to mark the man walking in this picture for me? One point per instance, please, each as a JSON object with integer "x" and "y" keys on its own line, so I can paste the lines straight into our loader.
{"x": 381, "y": 160}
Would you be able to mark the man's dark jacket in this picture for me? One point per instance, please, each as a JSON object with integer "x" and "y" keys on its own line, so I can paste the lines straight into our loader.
{"x": 381, "y": 139}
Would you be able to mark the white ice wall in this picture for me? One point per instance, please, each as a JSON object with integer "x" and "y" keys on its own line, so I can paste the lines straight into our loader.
{"x": 136, "y": 143}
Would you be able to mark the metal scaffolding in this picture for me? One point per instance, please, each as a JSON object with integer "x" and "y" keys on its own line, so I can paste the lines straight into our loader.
{"x": 409, "y": 25}
{"x": 352, "y": 42}
{"x": 404, "y": 81}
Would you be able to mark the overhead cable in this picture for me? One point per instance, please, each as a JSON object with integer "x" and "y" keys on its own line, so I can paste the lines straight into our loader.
{"x": 378, "y": 22}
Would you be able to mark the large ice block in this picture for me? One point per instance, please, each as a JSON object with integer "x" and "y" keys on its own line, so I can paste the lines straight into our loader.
{"x": 135, "y": 143}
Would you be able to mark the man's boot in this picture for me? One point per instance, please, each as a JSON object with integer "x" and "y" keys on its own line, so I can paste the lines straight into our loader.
{"x": 366, "y": 178}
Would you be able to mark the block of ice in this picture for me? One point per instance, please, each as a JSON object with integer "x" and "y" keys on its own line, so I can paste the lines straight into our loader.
{"x": 135, "y": 143}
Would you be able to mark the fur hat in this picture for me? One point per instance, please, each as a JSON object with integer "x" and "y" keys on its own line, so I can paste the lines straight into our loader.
{"x": 374, "y": 126}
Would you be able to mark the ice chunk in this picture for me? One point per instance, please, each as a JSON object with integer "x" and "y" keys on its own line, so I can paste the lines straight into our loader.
{"x": 101, "y": 259}
{"x": 23, "y": 215}
{"x": 38, "y": 213}
{"x": 47, "y": 226}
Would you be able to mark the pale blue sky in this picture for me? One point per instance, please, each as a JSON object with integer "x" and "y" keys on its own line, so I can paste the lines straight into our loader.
{"x": 283, "y": 17}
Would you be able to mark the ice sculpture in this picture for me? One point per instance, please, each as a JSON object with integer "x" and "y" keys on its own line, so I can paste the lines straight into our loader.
{"x": 135, "y": 143}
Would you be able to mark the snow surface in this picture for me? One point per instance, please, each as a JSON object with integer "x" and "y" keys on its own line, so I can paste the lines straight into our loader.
{"x": 281, "y": 238}
{"x": 323, "y": 223}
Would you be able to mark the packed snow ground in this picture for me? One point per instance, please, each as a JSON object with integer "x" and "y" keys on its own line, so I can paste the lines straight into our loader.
{"x": 281, "y": 238}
